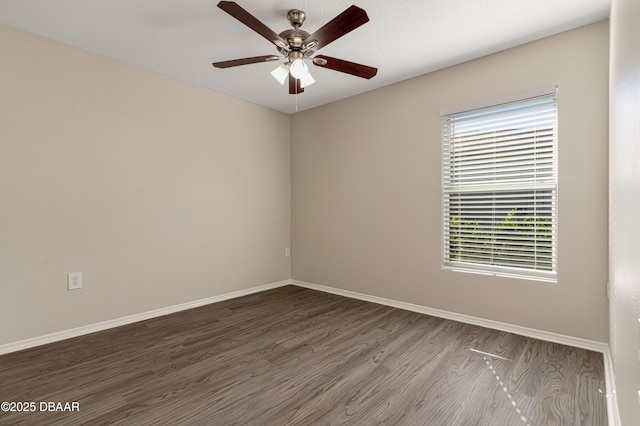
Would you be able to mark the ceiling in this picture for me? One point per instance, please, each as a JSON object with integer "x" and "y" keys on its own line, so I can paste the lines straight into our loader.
{"x": 403, "y": 39}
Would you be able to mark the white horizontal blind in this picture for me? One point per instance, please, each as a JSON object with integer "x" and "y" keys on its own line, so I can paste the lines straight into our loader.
{"x": 500, "y": 187}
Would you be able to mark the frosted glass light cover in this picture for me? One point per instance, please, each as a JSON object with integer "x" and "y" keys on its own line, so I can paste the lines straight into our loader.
{"x": 298, "y": 68}
{"x": 281, "y": 73}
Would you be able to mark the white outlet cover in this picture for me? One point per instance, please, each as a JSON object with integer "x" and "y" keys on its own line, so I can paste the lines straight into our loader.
{"x": 74, "y": 280}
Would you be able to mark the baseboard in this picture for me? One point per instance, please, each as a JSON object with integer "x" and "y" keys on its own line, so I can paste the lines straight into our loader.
{"x": 468, "y": 319}
{"x": 612, "y": 401}
{"x": 496, "y": 325}
{"x": 104, "y": 325}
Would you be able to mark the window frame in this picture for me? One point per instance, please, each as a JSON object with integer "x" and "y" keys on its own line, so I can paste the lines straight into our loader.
{"x": 459, "y": 265}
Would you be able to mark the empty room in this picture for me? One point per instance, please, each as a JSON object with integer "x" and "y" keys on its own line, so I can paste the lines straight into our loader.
{"x": 313, "y": 213}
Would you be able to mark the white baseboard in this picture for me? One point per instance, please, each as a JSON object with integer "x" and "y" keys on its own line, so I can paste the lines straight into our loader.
{"x": 523, "y": 331}
{"x": 612, "y": 401}
{"x": 104, "y": 325}
{"x": 468, "y": 319}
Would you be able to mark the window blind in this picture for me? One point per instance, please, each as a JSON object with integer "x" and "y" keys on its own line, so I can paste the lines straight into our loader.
{"x": 500, "y": 187}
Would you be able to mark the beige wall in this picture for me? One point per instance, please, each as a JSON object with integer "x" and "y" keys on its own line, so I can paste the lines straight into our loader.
{"x": 366, "y": 208}
{"x": 160, "y": 192}
{"x": 625, "y": 205}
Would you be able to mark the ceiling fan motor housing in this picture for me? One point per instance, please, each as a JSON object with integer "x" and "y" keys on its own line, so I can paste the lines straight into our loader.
{"x": 296, "y": 37}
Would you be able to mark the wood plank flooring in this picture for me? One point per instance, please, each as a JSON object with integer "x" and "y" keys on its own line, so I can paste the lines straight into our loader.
{"x": 293, "y": 356}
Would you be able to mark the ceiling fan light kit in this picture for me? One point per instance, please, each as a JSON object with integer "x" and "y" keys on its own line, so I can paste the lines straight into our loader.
{"x": 296, "y": 45}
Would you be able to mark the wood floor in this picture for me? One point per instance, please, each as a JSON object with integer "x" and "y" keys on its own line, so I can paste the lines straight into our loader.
{"x": 293, "y": 356}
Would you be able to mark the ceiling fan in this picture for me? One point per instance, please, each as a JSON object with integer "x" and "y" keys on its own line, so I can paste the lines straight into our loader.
{"x": 296, "y": 45}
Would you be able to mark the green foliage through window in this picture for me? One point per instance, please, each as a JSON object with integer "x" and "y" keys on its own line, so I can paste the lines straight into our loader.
{"x": 517, "y": 241}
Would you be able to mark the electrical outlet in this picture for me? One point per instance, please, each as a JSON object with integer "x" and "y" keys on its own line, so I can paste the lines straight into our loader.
{"x": 74, "y": 280}
{"x": 287, "y": 252}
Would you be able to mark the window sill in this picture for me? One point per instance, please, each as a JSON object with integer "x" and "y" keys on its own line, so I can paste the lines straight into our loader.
{"x": 548, "y": 278}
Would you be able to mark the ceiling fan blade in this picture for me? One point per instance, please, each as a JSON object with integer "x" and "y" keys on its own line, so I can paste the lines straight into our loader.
{"x": 233, "y": 9}
{"x": 294, "y": 86}
{"x": 341, "y": 65}
{"x": 346, "y": 22}
{"x": 245, "y": 61}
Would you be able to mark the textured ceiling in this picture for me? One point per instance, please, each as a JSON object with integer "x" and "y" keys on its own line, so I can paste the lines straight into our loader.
{"x": 403, "y": 39}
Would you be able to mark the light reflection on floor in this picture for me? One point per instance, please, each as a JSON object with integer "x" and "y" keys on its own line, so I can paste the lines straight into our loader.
{"x": 487, "y": 359}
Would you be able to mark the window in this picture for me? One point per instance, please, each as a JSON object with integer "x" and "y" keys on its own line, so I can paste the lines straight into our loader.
{"x": 500, "y": 188}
